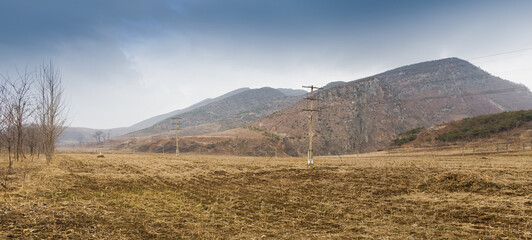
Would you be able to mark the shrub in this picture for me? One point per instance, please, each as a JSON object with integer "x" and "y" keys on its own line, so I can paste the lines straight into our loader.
{"x": 485, "y": 125}
{"x": 412, "y": 131}
{"x": 409, "y": 136}
{"x": 401, "y": 141}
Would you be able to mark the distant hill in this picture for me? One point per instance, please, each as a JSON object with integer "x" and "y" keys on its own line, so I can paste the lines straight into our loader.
{"x": 292, "y": 92}
{"x": 367, "y": 114}
{"x": 236, "y": 110}
{"x": 77, "y": 135}
{"x": 74, "y": 135}
{"x": 153, "y": 120}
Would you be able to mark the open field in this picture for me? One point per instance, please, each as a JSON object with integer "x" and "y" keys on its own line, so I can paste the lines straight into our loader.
{"x": 379, "y": 195}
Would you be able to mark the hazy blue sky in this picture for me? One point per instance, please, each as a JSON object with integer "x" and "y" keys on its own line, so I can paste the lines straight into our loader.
{"x": 124, "y": 61}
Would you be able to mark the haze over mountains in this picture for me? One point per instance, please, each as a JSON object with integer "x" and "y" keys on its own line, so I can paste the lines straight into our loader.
{"x": 229, "y": 112}
{"x": 244, "y": 103}
{"x": 361, "y": 115}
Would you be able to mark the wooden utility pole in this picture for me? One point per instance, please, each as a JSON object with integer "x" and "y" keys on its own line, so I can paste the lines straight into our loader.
{"x": 176, "y": 136}
{"x": 310, "y": 132}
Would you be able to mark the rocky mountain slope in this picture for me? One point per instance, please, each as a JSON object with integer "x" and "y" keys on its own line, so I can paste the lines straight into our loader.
{"x": 154, "y": 120}
{"x": 367, "y": 114}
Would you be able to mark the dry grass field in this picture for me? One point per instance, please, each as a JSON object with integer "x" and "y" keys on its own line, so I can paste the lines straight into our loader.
{"x": 379, "y": 196}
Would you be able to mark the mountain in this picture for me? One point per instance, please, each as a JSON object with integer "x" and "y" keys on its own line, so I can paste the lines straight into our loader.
{"x": 243, "y": 106}
{"x": 333, "y": 84}
{"x": 292, "y": 92}
{"x": 236, "y": 110}
{"x": 153, "y": 120}
{"x": 76, "y": 135}
{"x": 367, "y": 114}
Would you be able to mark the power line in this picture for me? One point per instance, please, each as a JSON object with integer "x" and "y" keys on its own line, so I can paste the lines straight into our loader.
{"x": 515, "y": 70}
{"x": 517, "y": 89}
{"x": 501, "y": 53}
{"x": 389, "y": 84}
{"x": 384, "y": 83}
{"x": 456, "y": 95}
{"x": 351, "y": 141}
{"x": 438, "y": 63}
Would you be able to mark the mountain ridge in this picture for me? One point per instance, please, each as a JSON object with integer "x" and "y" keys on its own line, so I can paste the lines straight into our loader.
{"x": 236, "y": 110}
{"x": 366, "y": 114}
{"x": 77, "y": 135}
{"x": 356, "y": 116}
{"x": 154, "y": 120}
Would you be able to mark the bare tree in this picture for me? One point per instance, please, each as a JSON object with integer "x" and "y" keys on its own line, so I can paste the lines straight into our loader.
{"x": 8, "y": 137}
{"x": 98, "y": 136}
{"x": 33, "y": 139}
{"x": 80, "y": 139}
{"x": 18, "y": 106}
{"x": 7, "y": 128}
{"x": 51, "y": 110}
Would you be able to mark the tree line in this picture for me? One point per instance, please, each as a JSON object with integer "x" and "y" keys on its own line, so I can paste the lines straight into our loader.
{"x": 33, "y": 112}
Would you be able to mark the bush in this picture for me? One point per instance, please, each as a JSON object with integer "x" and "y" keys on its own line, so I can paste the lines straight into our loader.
{"x": 412, "y": 131}
{"x": 401, "y": 141}
{"x": 409, "y": 136}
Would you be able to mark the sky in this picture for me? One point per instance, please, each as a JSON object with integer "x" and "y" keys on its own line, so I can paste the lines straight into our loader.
{"x": 124, "y": 61}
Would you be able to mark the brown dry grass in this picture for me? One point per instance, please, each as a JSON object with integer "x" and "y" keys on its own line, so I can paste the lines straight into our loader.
{"x": 128, "y": 196}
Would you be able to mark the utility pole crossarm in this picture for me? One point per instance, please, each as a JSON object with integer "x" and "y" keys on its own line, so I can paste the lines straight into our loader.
{"x": 312, "y": 98}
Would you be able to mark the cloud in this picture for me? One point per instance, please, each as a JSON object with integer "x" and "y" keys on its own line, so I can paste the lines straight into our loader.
{"x": 127, "y": 60}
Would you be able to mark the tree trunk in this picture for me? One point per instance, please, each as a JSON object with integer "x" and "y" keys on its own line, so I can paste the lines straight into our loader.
{"x": 9, "y": 157}
{"x": 31, "y": 152}
{"x": 49, "y": 157}
{"x": 49, "y": 152}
